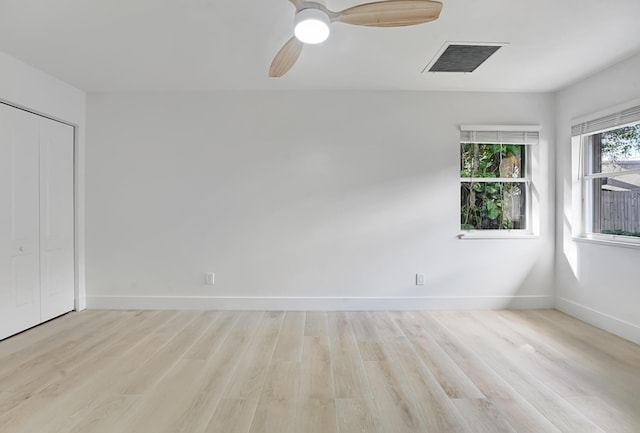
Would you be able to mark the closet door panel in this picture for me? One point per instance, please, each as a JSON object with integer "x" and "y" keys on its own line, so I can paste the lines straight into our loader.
{"x": 56, "y": 218}
{"x": 19, "y": 221}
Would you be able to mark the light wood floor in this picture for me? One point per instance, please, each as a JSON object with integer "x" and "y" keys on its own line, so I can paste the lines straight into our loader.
{"x": 383, "y": 372}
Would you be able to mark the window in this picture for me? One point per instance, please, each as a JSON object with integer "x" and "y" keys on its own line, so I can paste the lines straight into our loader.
{"x": 610, "y": 176}
{"x": 495, "y": 179}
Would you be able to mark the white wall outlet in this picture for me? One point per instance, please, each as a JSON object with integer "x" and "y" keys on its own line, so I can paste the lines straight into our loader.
{"x": 209, "y": 278}
{"x": 419, "y": 279}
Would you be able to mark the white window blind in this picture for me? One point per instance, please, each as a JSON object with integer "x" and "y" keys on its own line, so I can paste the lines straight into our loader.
{"x": 500, "y": 137}
{"x": 618, "y": 119}
{"x": 500, "y": 134}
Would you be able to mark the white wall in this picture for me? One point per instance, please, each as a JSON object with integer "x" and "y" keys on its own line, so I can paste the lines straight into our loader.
{"x": 597, "y": 283}
{"x": 322, "y": 200}
{"x": 293, "y": 196}
{"x": 26, "y": 87}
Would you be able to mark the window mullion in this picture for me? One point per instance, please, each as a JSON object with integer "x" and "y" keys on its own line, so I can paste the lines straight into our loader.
{"x": 612, "y": 174}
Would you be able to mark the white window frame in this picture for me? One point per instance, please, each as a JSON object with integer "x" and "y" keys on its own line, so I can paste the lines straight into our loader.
{"x": 527, "y": 135}
{"x": 583, "y": 132}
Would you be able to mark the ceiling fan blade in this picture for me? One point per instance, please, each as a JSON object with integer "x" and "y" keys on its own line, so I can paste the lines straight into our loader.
{"x": 286, "y": 57}
{"x": 390, "y": 13}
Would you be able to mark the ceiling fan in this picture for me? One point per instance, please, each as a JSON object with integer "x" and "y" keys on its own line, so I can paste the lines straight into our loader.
{"x": 312, "y": 20}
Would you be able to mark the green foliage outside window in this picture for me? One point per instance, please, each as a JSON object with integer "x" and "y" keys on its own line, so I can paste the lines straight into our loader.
{"x": 621, "y": 144}
{"x": 496, "y": 205}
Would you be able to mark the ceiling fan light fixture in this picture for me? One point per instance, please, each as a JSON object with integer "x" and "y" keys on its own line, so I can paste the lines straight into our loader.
{"x": 312, "y": 21}
{"x": 311, "y": 26}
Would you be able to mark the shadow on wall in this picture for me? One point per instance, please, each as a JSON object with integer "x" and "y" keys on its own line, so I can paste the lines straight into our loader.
{"x": 522, "y": 298}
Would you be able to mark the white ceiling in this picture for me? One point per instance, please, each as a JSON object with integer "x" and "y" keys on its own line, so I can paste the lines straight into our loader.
{"x": 192, "y": 45}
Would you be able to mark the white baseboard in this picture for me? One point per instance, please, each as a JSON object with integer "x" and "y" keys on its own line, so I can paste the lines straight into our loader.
{"x": 317, "y": 304}
{"x": 598, "y": 319}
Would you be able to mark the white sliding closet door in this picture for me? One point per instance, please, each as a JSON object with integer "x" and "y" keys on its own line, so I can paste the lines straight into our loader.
{"x": 56, "y": 218}
{"x": 19, "y": 221}
{"x": 36, "y": 220}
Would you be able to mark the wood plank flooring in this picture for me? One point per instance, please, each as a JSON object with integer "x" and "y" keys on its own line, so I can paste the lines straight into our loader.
{"x": 318, "y": 372}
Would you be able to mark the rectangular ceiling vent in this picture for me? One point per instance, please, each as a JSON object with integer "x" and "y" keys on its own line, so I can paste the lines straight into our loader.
{"x": 462, "y": 57}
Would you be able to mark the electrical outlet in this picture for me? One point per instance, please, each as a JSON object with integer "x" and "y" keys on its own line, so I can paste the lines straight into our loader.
{"x": 419, "y": 279}
{"x": 209, "y": 278}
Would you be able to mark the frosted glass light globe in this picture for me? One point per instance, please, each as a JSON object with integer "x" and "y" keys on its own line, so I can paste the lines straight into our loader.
{"x": 311, "y": 26}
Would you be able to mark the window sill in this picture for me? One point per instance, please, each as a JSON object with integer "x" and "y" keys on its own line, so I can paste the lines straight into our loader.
{"x": 497, "y": 235}
{"x": 612, "y": 241}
